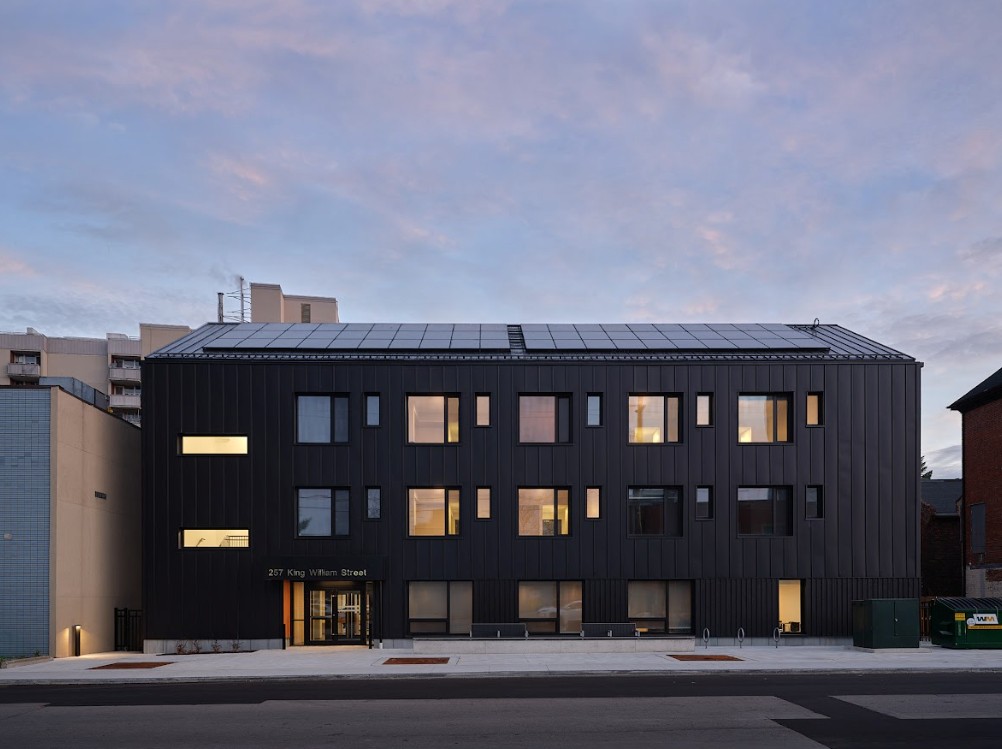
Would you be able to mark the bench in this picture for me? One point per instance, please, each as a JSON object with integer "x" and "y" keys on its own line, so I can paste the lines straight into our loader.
{"x": 505, "y": 631}
{"x": 607, "y": 629}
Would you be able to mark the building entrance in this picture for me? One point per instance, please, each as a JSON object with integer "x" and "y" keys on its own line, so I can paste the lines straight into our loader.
{"x": 337, "y": 615}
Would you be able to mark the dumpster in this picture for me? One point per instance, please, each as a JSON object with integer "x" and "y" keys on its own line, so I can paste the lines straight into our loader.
{"x": 885, "y": 623}
{"x": 966, "y": 622}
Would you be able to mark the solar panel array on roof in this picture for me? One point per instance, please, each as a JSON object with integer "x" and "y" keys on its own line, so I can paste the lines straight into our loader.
{"x": 362, "y": 336}
{"x": 663, "y": 336}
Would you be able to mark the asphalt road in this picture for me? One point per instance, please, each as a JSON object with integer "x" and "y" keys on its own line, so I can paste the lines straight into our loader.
{"x": 912, "y": 710}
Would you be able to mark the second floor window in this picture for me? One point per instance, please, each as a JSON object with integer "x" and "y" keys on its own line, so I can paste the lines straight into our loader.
{"x": 322, "y": 512}
{"x": 544, "y": 418}
{"x": 432, "y": 419}
{"x": 763, "y": 419}
{"x": 543, "y": 512}
{"x": 654, "y": 419}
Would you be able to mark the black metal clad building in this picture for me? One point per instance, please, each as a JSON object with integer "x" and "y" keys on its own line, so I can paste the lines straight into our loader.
{"x": 772, "y": 479}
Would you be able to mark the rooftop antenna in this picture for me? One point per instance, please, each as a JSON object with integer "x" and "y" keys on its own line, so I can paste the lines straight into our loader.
{"x": 240, "y": 294}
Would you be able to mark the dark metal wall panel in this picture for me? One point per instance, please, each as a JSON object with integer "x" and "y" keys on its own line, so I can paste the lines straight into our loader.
{"x": 865, "y": 457}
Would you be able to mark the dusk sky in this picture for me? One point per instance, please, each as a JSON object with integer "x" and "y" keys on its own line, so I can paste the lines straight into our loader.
{"x": 547, "y": 161}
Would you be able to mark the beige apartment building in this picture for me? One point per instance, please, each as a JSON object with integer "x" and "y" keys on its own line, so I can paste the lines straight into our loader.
{"x": 112, "y": 365}
{"x": 70, "y": 553}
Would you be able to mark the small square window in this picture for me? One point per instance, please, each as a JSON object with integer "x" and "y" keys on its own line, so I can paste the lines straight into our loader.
{"x": 704, "y": 502}
{"x": 483, "y": 410}
{"x": 373, "y": 503}
{"x": 815, "y": 410}
{"x": 814, "y": 504}
{"x": 593, "y": 503}
{"x": 704, "y": 410}
{"x": 483, "y": 503}
{"x": 372, "y": 410}
{"x": 594, "y": 417}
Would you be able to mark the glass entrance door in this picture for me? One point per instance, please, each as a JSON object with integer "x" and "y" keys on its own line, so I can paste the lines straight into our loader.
{"x": 337, "y": 616}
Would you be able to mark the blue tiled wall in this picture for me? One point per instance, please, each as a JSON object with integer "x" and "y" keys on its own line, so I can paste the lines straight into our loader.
{"x": 24, "y": 521}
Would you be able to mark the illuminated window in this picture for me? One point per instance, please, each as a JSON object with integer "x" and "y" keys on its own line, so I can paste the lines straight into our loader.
{"x": 214, "y": 538}
{"x": 483, "y": 503}
{"x": 544, "y": 419}
{"x": 483, "y": 410}
{"x": 654, "y": 511}
{"x": 789, "y": 606}
{"x": 322, "y": 512}
{"x": 432, "y": 419}
{"x": 814, "y": 503}
{"x": 433, "y": 512}
{"x": 213, "y": 445}
{"x": 763, "y": 418}
{"x": 444, "y": 608}
{"x": 660, "y": 606}
{"x": 594, "y": 416}
{"x": 593, "y": 503}
{"x": 704, "y": 410}
{"x": 654, "y": 419}
{"x": 550, "y": 607}
{"x": 543, "y": 512}
{"x": 704, "y": 502}
{"x": 764, "y": 511}
{"x": 815, "y": 410}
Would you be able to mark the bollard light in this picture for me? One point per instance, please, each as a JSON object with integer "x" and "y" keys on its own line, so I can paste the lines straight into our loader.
{"x": 76, "y": 639}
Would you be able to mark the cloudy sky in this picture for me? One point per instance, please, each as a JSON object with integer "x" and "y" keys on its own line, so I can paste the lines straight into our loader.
{"x": 506, "y": 161}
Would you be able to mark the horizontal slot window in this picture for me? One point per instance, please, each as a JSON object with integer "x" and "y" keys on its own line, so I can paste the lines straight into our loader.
{"x": 214, "y": 538}
{"x": 213, "y": 445}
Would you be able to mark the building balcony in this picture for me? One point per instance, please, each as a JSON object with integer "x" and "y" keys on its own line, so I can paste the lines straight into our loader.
{"x": 124, "y": 375}
{"x": 24, "y": 372}
{"x": 132, "y": 417}
{"x": 125, "y": 401}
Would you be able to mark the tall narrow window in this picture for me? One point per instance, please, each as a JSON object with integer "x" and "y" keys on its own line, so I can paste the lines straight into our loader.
{"x": 433, "y": 512}
{"x": 704, "y": 410}
{"x": 593, "y": 503}
{"x": 654, "y": 419}
{"x": 313, "y": 419}
{"x": 341, "y": 419}
{"x": 815, "y": 410}
{"x": 483, "y": 410}
{"x": 543, "y": 512}
{"x": 373, "y": 503}
{"x": 789, "y": 606}
{"x": 432, "y": 419}
{"x": 763, "y": 418}
{"x": 764, "y": 511}
{"x": 372, "y": 410}
{"x": 704, "y": 502}
{"x": 814, "y": 503}
{"x": 483, "y": 503}
{"x": 594, "y": 418}
{"x": 304, "y": 313}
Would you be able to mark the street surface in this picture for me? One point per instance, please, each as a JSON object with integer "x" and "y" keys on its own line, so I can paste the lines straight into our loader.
{"x": 912, "y": 710}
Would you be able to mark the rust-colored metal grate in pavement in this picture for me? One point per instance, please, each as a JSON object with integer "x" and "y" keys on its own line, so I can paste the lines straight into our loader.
{"x": 131, "y": 664}
{"x": 414, "y": 661}
{"x": 704, "y": 657}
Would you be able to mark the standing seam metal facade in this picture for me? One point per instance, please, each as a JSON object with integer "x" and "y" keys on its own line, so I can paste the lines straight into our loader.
{"x": 865, "y": 456}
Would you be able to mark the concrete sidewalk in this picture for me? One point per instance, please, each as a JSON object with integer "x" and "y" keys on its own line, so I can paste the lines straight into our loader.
{"x": 340, "y": 662}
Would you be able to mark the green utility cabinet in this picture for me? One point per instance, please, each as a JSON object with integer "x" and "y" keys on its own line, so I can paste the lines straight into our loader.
{"x": 966, "y": 622}
{"x": 885, "y": 623}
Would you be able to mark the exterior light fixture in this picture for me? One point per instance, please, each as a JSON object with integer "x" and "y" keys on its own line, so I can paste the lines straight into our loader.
{"x": 76, "y": 639}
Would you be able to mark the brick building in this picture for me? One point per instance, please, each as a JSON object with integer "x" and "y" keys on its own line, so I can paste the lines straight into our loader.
{"x": 981, "y": 506}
